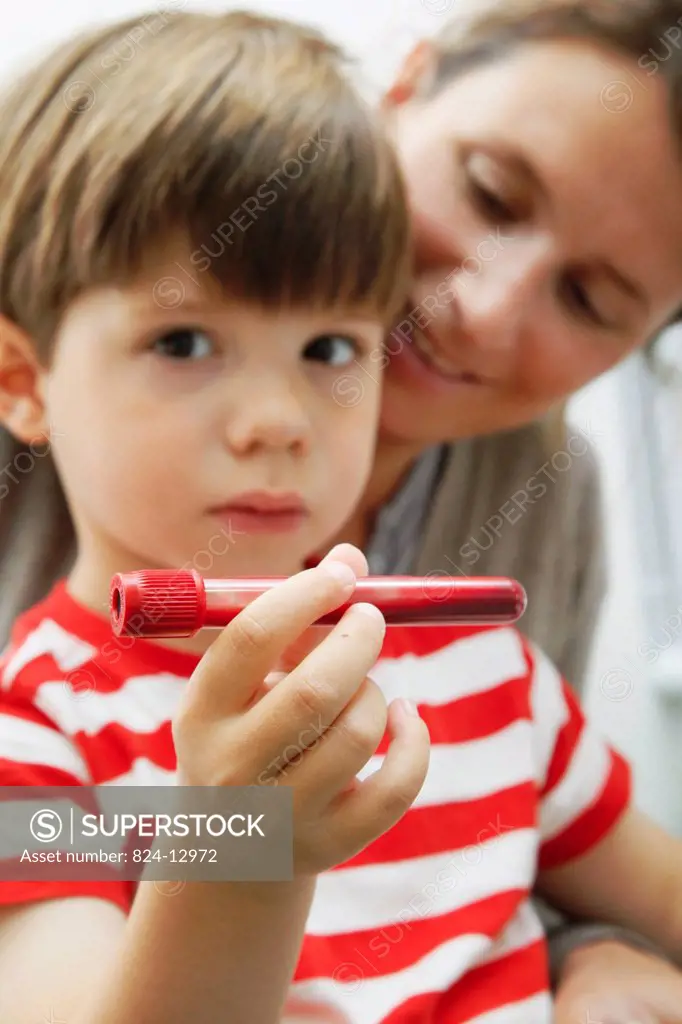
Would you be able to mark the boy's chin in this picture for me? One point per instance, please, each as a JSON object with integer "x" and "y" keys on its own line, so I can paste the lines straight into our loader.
{"x": 250, "y": 559}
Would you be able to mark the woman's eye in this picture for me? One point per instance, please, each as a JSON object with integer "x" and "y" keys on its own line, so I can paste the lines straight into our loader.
{"x": 333, "y": 349}
{"x": 491, "y": 205}
{"x": 578, "y": 298}
{"x": 184, "y": 343}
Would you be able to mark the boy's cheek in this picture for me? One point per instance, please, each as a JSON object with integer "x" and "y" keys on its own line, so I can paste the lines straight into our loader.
{"x": 357, "y": 389}
{"x": 352, "y": 455}
{"x": 378, "y": 359}
{"x": 116, "y": 462}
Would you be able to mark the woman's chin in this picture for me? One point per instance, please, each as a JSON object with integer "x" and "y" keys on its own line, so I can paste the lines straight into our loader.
{"x": 412, "y": 414}
{"x": 408, "y": 420}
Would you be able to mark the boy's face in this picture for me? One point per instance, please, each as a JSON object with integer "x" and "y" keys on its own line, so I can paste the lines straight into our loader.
{"x": 195, "y": 431}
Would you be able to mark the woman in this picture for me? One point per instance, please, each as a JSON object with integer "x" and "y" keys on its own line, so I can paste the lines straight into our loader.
{"x": 544, "y": 181}
{"x": 528, "y": 285}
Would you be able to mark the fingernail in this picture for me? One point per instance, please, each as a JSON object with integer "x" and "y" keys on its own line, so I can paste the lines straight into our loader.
{"x": 369, "y": 609}
{"x": 409, "y": 707}
{"x": 339, "y": 571}
{"x": 273, "y": 678}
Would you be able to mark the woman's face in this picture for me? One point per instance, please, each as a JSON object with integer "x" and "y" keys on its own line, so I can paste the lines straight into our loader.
{"x": 547, "y": 199}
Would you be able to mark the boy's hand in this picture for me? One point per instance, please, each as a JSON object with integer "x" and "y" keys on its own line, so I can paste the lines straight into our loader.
{"x": 317, "y": 727}
{"x": 611, "y": 983}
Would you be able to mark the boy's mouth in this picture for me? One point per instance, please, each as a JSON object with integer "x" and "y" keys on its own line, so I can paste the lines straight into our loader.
{"x": 263, "y": 512}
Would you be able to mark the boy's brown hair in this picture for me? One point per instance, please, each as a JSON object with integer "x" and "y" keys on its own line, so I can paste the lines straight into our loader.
{"x": 241, "y": 130}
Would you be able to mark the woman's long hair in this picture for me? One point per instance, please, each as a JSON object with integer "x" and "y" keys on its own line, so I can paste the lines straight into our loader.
{"x": 37, "y": 543}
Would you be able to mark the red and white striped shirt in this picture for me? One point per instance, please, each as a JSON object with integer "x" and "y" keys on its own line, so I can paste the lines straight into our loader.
{"x": 432, "y": 922}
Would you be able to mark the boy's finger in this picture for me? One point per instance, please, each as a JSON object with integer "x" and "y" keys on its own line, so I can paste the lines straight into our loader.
{"x": 349, "y": 554}
{"x": 323, "y": 772}
{"x": 305, "y": 643}
{"x": 301, "y": 647}
{"x": 233, "y": 668}
{"x": 381, "y": 800}
{"x": 296, "y": 712}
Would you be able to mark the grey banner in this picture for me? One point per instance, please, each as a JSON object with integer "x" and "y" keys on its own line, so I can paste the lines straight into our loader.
{"x": 155, "y": 833}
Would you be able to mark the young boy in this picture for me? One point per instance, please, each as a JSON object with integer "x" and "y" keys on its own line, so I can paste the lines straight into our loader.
{"x": 195, "y": 257}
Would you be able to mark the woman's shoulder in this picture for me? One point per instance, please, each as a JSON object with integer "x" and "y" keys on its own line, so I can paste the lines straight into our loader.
{"x": 552, "y": 457}
{"x": 526, "y": 504}
{"x": 527, "y": 498}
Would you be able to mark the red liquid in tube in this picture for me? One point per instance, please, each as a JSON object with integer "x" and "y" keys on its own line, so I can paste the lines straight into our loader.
{"x": 168, "y": 603}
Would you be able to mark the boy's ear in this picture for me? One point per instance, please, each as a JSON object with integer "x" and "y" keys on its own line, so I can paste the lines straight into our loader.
{"x": 22, "y": 407}
{"x": 416, "y": 69}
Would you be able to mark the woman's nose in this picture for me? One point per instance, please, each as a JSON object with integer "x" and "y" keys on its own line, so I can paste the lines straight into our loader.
{"x": 272, "y": 418}
{"x": 496, "y": 298}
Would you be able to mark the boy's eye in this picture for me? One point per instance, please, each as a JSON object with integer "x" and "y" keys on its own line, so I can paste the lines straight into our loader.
{"x": 333, "y": 349}
{"x": 184, "y": 343}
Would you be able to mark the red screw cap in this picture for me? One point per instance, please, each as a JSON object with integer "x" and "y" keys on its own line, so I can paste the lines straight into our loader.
{"x": 157, "y": 603}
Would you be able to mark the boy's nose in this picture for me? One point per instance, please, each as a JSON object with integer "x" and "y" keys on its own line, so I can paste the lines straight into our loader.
{"x": 271, "y": 419}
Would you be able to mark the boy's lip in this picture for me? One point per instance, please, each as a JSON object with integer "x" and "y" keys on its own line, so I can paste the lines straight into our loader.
{"x": 264, "y": 512}
{"x": 265, "y": 503}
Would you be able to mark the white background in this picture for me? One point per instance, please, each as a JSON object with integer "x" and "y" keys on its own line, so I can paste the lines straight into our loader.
{"x": 623, "y": 696}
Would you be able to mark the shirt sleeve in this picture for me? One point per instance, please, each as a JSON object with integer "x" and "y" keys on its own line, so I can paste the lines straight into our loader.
{"x": 34, "y": 753}
{"x": 585, "y": 785}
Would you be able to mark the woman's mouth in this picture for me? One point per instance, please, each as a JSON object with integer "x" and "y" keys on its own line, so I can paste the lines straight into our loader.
{"x": 418, "y": 360}
{"x": 427, "y": 353}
